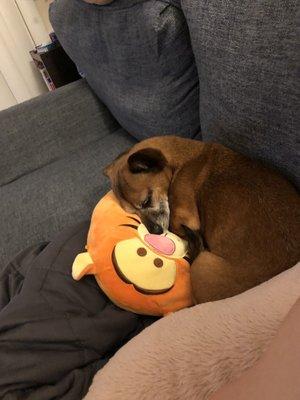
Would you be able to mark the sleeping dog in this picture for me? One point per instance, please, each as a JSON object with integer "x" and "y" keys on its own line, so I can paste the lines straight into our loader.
{"x": 241, "y": 219}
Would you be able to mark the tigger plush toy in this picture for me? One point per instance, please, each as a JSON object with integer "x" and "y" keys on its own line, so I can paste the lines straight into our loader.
{"x": 140, "y": 272}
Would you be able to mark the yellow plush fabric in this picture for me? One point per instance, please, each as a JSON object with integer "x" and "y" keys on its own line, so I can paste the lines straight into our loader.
{"x": 140, "y": 272}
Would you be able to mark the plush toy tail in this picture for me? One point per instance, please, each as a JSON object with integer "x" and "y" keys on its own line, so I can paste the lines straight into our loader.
{"x": 82, "y": 265}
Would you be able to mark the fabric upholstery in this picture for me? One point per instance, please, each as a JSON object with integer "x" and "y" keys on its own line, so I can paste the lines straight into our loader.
{"x": 45, "y": 129}
{"x": 55, "y": 333}
{"x": 248, "y": 63}
{"x": 191, "y": 353}
{"x": 276, "y": 375}
{"x": 39, "y": 204}
{"x": 137, "y": 57}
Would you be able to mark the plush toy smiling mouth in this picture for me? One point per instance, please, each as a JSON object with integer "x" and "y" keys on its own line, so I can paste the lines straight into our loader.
{"x": 142, "y": 276}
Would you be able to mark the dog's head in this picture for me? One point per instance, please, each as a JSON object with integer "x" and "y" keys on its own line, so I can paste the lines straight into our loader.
{"x": 141, "y": 180}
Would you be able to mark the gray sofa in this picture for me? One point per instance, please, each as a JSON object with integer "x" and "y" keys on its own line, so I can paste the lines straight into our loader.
{"x": 161, "y": 67}
{"x": 53, "y": 149}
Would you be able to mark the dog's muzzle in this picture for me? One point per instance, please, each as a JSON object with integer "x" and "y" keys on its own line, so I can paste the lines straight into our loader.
{"x": 157, "y": 219}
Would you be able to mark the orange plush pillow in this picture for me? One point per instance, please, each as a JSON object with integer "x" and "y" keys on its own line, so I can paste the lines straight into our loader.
{"x": 138, "y": 271}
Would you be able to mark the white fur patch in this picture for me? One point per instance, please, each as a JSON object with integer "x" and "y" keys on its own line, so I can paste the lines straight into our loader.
{"x": 164, "y": 219}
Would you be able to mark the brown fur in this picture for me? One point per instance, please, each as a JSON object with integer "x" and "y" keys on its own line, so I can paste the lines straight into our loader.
{"x": 242, "y": 219}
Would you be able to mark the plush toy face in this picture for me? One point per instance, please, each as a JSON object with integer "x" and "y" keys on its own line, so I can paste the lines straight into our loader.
{"x": 139, "y": 271}
{"x": 144, "y": 261}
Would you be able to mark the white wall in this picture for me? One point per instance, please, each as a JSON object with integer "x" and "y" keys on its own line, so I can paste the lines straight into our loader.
{"x": 23, "y": 25}
{"x": 7, "y": 99}
{"x": 33, "y": 20}
{"x": 43, "y": 7}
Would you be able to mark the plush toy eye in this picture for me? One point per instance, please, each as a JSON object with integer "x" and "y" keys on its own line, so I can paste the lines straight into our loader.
{"x": 141, "y": 251}
{"x": 147, "y": 203}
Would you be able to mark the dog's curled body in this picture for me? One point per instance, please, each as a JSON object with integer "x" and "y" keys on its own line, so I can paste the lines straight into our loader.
{"x": 248, "y": 216}
{"x": 241, "y": 218}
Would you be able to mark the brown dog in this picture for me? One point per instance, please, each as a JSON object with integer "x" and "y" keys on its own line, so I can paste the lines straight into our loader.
{"x": 242, "y": 220}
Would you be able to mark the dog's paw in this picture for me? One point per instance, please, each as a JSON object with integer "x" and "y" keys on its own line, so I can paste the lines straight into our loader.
{"x": 195, "y": 241}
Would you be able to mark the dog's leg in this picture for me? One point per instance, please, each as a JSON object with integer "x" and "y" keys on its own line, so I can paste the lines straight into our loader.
{"x": 195, "y": 242}
{"x": 213, "y": 278}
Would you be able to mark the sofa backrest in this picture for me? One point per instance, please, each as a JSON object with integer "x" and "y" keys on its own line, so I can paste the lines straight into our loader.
{"x": 137, "y": 57}
{"x": 248, "y": 61}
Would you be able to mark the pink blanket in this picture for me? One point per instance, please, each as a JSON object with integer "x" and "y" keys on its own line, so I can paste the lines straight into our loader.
{"x": 190, "y": 354}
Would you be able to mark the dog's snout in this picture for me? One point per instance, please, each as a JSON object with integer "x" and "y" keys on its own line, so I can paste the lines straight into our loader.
{"x": 156, "y": 218}
{"x": 154, "y": 228}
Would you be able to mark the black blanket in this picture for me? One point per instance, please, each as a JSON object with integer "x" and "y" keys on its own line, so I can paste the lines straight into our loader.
{"x": 56, "y": 333}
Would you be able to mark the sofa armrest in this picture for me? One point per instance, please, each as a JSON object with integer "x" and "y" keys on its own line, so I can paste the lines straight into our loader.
{"x": 44, "y": 129}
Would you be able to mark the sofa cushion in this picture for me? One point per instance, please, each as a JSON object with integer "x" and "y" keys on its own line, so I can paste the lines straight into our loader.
{"x": 39, "y": 204}
{"x": 247, "y": 58}
{"x": 47, "y": 128}
{"x": 137, "y": 57}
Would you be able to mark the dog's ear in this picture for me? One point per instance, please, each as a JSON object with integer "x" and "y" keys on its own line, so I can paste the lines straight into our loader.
{"x": 147, "y": 160}
{"x": 109, "y": 168}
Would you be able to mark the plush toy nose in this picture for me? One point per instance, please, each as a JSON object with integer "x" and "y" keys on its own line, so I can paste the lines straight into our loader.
{"x": 160, "y": 243}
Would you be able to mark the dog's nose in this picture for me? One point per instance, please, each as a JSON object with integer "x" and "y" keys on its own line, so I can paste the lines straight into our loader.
{"x": 154, "y": 228}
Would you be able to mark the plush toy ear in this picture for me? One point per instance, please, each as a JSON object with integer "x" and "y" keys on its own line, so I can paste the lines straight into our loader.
{"x": 147, "y": 160}
{"x": 82, "y": 265}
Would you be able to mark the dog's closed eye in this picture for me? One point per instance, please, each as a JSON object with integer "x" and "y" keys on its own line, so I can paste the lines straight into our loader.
{"x": 147, "y": 202}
